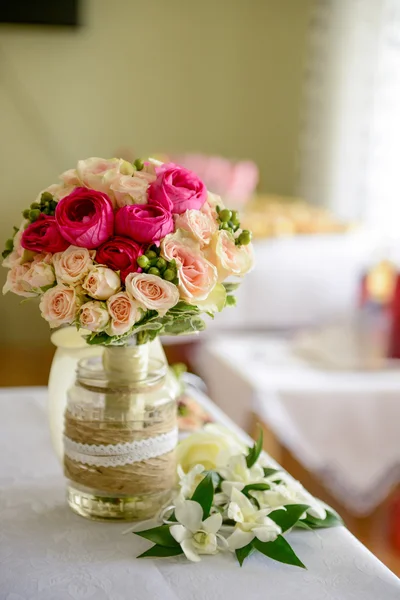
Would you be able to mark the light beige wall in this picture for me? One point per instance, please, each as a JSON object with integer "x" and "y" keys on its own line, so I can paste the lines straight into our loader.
{"x": 219, "y": 76}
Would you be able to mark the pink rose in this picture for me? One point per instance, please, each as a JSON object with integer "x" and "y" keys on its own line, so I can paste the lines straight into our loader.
{"x": 144, "y": 223}
{"x": 43, "y": 236}
{"x": 199, "y": 224}
{"x": 120, "y": 254}
{"x": 124, "y": 313}
{"x": 59, "y": 305}
{"x": 177, "y": 189}
{"x": 131, "y": 189}
{"x": 85, "y": 218}
{"x": 228, "y": 258}
{"x": 152, "y": 292}
{"x": 94, "y": 316}
{"x": 72, "y": 265}
{"x": 15, "y": 281}
{"x": 40, "y": 275}
{"x": 197, "y": 276}
{"x": 101, "y": 283}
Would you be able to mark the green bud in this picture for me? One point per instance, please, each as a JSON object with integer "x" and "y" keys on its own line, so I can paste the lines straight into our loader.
{"x": 46, "y": 210}
{"x": 46, "y": 197}
{"x": 154, "y": 271}
{"x": 151, "y": 254}
{"x": 161, "y": 263}
{"x": 53, "y": 204}
{"x": 245, "y": 237}
{"x": 225, "y": 226}
{"x": 25, "y": 213}
{"x": 218, "y": 209}
{"x": 175, "y": 281}
{"x": 139, "y": 164}
{"x": 169, "y": 275}
{"x": 225, "y": 215}
{"x": 9, "y": 244}
{"x": 34, "y": 214}
{"x": 235, "y": 217}
{"x": 143, "y": 261}
{"x": 35, "y": 205}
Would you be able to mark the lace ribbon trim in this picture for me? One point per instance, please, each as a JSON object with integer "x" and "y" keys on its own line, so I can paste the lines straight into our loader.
{"x": 117, "y": 455}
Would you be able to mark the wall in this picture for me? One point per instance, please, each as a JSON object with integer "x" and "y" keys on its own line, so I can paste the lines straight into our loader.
{"x": 216, "y": 76}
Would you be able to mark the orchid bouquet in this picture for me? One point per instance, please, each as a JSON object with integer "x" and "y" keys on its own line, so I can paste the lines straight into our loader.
{"x": 231, "y": 499}
{"x": 124, "y": 249}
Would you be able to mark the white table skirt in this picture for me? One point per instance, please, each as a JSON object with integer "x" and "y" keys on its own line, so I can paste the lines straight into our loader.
{"x": 49, "y": 553}
{"x": 341, "y": 425}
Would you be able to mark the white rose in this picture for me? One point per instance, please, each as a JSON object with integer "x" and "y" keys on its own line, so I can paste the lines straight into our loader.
{"x": 228, "y": 258}
{"x": 131, "y": 190}
{"x": 72, "y": 265}
{"x": 199, "y": 224}
{"x": 59, "y": 305}
{"x": 152, "y": 292}
{"x": 15, "y": 281}
{"x": 41, "y": 274}
{"x": 124, "y": 313}
{"x": 94, "y": 316}
{"x": 101, "y": 283}
{"x": 99, "y": 173}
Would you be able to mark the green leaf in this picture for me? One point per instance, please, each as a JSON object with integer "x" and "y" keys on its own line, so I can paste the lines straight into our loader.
{"x": 182, "y": 326}
{"x": 159, "y": 535}
{"x": 183, "y": 307}
{"x": 279, "y": 550}
{"x": 302, "y": 525}
{"x": 268, "y": 471}
{"x": 255, "y": 486}
{"x": 98, "y": 339}
{"x": 161, "y": 552}
{"x": 255, "y": 451}
{"x": 332, "y": 520}
{"x": 242, "y": 553}
{"x": 230, "y": 287}
{"x": 289, "y": 517}
{"x": 215, "y": 300}
{"x": 204, "y": 494}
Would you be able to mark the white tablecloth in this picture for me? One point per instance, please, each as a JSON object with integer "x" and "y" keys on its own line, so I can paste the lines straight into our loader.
{"x": 342, "y": 425}
{"x": 49, "y": 553}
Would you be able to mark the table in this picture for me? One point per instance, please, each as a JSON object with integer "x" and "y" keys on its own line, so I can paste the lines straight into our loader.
{"x": 49, "y": 553}
{"x": 342, "y": 426}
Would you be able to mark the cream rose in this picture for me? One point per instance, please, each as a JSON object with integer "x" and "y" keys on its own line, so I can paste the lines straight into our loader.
{"x": 15, "y": 256}
{"x": 59, "y": 305}
{"x": 124, "y": 313}
{"x": 72, "y": 265}
{"x": 212, "y": 447}
{"x": 94, "y": 316}
{"x": 201, "y": 225}
{"x": 228, "y": 258}
{"x": 197, "y": 276}
{"x": 15, "y": 281}
{"x": 152, "y": 292}
{"x": 131, "y": 190}
{"x": 98, "y": 173}
{"x": 101, "y": 283}
{"x": 40, "y": 274}
{"x": 210, "y": 205}
{"x": 57, "y": 190}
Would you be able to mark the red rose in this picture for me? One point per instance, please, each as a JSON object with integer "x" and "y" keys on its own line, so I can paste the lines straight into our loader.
{"x": 120, "y": 254}
{"x": 144, "y": 223}
{"x": 85, "y": 217}
{"x": 43, "y": 236}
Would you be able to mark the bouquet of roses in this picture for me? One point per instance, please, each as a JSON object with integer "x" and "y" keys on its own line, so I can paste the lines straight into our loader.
{"x": 125, "y": 249}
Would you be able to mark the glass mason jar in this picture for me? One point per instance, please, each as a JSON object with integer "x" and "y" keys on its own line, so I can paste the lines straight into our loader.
{"x": 120, "y": 435}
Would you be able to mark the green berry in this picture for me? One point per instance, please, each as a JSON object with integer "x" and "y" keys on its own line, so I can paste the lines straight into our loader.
{"x": 34, "y": 214}
{"x": 161, "y": 263}
{"x": 235, "y": 217}
{"x": 225, "y": 226}
{"x": 169, "y": 275}
{"x": 46, "y": 197}
{"x": 25, "y": 213}
{"x": 139, "y": 164}
{"x": 154, "y": 271}
{"x": 151, "y": 254}
{"x": 46, "y": 210}
{"x": 175, "y": 281}
{"x": 245, "y": 237}
{"x": 35, "y": 205}
{"x": 225, "y": 215}
{"x": 143, "y": 261}
{"x": 9, "y": 244}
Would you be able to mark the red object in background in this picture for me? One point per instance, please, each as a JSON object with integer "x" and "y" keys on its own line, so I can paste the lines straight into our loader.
{"x": 394, "y": 523}
{"x": 394, "y": 334}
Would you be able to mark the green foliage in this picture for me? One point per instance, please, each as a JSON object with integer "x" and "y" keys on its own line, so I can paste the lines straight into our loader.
{"x": 161, "y": 552}
{"x": 255, "y": 451}
{"x": 279, "y": 550}
{"x": 286, "y": 519}
{"x": 159, "y": 535}
{"x": 268, "y": 471}
{"x": 332, "y": 520}
{"x": 204, "y": 494}
{"x": 242, "y": 553}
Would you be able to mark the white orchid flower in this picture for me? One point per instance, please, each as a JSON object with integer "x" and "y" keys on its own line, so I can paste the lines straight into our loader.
{"x": 188, "y": 482}
{"x": 250, "y": 522}
{"x": 289, "y": 492}
{"x": 193, "y": 534}
{"x": 237, "y": 474}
